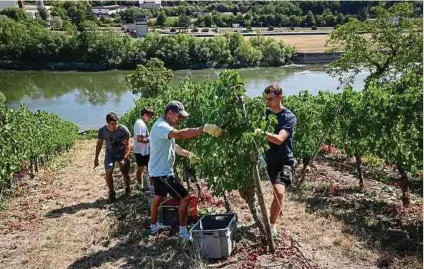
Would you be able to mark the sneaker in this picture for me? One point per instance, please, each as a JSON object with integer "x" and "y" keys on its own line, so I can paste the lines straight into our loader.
{"x": 112, "y": 196}
{"x": 156, "y": 228}
{"x": 185, "y": 235}
{"x": 275, "y": 234}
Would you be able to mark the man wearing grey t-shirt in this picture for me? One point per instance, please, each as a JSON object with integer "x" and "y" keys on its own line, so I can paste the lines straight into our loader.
{"x": 117, "y": 150}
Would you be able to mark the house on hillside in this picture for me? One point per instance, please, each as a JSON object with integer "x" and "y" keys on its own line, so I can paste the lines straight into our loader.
{"x": 152, "y": 4}
{"x": 33, "y": 11}
{"x": 106, "y": 11}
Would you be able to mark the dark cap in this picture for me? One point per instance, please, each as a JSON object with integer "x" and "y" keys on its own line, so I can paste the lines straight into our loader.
{"x": 176, "y": 107}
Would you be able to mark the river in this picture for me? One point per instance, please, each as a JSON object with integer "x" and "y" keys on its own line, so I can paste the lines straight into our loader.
{"x": 86, "y": 97}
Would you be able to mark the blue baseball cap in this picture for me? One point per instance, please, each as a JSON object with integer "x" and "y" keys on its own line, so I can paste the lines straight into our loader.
{"x": 176, "y": 107}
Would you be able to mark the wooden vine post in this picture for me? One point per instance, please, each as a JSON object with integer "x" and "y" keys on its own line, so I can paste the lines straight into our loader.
{"x": 261, "y": 200}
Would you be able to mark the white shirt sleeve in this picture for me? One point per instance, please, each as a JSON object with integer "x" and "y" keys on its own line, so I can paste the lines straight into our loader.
{"x": 140, "y": 128}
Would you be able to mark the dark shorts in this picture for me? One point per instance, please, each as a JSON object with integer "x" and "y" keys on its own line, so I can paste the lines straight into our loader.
{"x": 169, "y": 184}
{"x": 281, "y": 174}
{"x": 111, "y": 159}
{"x": 142, "y": 160}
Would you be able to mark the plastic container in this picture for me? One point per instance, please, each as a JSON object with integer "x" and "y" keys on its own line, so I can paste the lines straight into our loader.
{"x": 214, "y": 235}
{"x": 168, "y": 212}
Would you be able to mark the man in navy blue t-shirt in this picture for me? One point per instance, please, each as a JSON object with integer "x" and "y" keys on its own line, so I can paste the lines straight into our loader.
{"x": 279, "y": 157}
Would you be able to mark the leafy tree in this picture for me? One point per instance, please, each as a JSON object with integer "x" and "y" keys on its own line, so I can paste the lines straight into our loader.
{"x": 273, "y": 53}
{"x": 150, "y": 79}
{"x": 130, "y": 14}
{"x": 247, "y": 55}
{"x": 330, "y": 19}
{"x": 392, "y": 46}
{"x": 184, "y": 21}
{"x": 15, "y": 13}
{"x": 161, "y": 19}
{"x": 310, "y": 19}
{"x": 69, "y": 27}
{"x": 2, "y": 98}
{"x": 294, "y": 20}
{"x": 56, "y": 23}
{"x": 87, "y": 25}
{"x": 78, "y": 11}
{"x": 320, "y": 20}
{"x": 42, "y": 12}
{"x": 270, "y": 20}
{"x": 285, "y": 20}
{"x": 59, "y": 11}
{"x": 340, "y": 19}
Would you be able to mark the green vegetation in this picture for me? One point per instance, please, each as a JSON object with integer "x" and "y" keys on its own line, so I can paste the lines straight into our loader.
{"x": 276, "y": 14}
{"x": 350, "y": 120}
{"x": 30, "y": 41}
{"x": 393, "y": 52}
{"x": 226, "y": 168}
{"x": 385, "y": 119}
{"x": 29, "y": 138}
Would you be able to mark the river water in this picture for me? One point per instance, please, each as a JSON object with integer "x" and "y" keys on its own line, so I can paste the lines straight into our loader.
{"x": 86, "y": 97}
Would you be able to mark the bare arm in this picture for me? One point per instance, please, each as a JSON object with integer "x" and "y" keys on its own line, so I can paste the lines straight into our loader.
{"x": 143, "y": 139}
{"x": 99, "y": 146}
{"x": 185, "y": 133}
{"x": 180, "y": 151}
{"x": 127, "y": 147}
{"x": 279, "y": 138}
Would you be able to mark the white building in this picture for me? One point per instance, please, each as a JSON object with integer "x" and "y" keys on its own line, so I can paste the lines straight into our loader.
{"x": 106, "y": 10}
{"x": 150, "y": 3}
{"x": 33, "y": 12}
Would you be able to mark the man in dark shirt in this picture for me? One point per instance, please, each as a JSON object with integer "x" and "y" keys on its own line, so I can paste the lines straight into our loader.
{"x": 279, "y": 157}
{"x": 117, "y": 150}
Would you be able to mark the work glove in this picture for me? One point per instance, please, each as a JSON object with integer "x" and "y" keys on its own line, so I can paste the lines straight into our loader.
{"x": 193, "y": 158}
{"x": 212, "y": 129}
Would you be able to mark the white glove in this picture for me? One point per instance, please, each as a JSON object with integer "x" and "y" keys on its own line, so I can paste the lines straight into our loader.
{"x": 212, "y": 129}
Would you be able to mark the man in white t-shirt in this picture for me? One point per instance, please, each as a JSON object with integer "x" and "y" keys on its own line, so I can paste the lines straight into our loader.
{"x": 141, "y": 144}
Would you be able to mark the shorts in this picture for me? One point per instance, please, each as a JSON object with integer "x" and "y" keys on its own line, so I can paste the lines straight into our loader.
{"x": 281, "y": 174}
{"x": 169, "y": 184}
{"x": 142, "y": 160}
{"x": 111, "y": 159}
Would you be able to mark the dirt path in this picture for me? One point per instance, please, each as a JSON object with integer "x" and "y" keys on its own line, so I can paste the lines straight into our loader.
{"x": 63, "y": 220}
